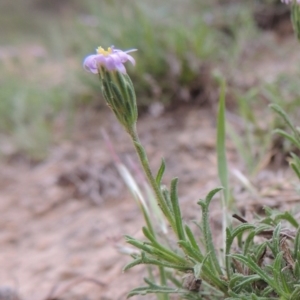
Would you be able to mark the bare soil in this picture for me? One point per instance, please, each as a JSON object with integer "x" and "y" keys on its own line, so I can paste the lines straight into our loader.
{"x": 63, "y": 220}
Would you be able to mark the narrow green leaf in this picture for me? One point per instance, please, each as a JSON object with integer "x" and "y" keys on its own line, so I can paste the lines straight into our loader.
{"x": 296, "y": 293}
{"x": 221, "y": 144}
{"x": 192, "y": 253}
{"x": 297, "y": 269}
{"x": 247, "y": 280}
{"x": 138, "y": 244}
{"x": 210, "y": 248}
{"x": 160, "y": 172}
{"x": 250, "y": 297}
{"x": 176, "y": 210}
{"x": 209, "y": 196}
{"x": 295, "y": 168}
{"x": 276, "y": 240}
{"x": 158, "y": 262}
{"x": 287, "y": 136}
{"x": 241, "y": 229}
{"x": 209, "y": 275}
{"x": 229, "y": 240}
{"x": 286, "y": 118}
{"x": 153, "y": 288}
{"x": 249, "y": 240}
{"x": 250, "y": 263}
{"x": 167, "y": 200}
{"x": 268, "y": 211}
{"x": 277, "y": 266}
{"x": 296, "y": 158}
{"x": 192, "y": 240}
{"x": 260, "y": 251}
{"x": 297, "y": 244}
{"x": 267, "y": 291}
{"x": 162, "y": 251}
{"x": 133, "y": 263}
{"x": 230, "y": 236}
{"x": 286, "y": 276}
{"x": 288, "y": 217}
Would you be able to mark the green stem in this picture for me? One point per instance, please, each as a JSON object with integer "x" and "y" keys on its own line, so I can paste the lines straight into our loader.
{"x": 163, "y": 282}
{"x": 145, "y": 164}
{"x": 148, "y": 220}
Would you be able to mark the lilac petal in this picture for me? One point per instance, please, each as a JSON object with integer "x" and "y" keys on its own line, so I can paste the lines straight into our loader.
{"x": 122, "y": 56}
{"x": 116, "y": 57}
{"x": 131, "y": 59}
{"x": 120, "y": 67}
{"x": 90, "y": 64}
{"x": 100, "y": 60}
{"x": 127, "y": 51}
{"x": 110, "y": 63}
{"x": 131, "y": 50}
{"x": 125, "y": 57}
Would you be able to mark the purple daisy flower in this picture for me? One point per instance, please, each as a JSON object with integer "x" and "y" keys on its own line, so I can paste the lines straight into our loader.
{"x": 111, "y": 59}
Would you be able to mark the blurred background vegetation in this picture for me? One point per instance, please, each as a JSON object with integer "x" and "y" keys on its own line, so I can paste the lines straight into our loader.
{"x": 180, "y": 45}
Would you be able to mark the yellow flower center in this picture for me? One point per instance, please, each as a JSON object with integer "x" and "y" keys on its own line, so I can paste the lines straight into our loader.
{"x": 100, "y": 50}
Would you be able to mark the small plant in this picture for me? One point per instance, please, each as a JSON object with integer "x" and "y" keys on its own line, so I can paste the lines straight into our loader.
{"x": 256, "y": 261}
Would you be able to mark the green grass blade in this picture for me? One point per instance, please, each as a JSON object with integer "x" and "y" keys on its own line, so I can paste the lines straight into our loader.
{"x": 176, "y": 210}
{"x": 221, "y": 144}
{"x": 160, "y": 172}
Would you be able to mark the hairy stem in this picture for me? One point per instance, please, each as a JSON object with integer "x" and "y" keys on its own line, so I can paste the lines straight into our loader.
{"x": 156, "y": 188}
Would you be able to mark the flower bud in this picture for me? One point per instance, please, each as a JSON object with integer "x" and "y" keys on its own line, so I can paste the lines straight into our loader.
{"x": 118, "y": 91}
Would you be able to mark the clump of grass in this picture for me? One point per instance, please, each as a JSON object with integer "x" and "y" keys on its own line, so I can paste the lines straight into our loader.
{"x": 256, "y": 147}
{"x": 36, "y": 86}
{"x": 173, "y": 41}
{"x": 29, "y": 107}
